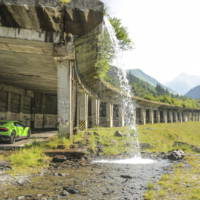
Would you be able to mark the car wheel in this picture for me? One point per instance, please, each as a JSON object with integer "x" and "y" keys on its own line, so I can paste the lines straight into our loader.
{"x": 29, "y": 133}
{"x": 12, "y": 137}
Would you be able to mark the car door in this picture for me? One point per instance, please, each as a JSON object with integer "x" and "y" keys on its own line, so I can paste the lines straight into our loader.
{"x": 19, "y": 128}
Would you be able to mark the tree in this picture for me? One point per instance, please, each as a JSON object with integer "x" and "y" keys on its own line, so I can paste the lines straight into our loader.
{"x": 121, "y": 33}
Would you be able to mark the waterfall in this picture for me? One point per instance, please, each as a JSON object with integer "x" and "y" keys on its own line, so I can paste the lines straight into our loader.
{"x": 127, "y": 102}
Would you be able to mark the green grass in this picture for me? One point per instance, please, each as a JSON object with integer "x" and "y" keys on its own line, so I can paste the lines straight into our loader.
{"x": 163, "y": 136}
{"x": 183, "y": 184}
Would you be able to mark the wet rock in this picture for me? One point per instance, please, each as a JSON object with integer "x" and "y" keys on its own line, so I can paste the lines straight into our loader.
{"x": 71, "y": 190}
{"x": 118, "y": 134}
{"x": 176, "y": 155}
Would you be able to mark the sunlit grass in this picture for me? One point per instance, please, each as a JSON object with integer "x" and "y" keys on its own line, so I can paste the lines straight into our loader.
{"x": 163, "y": 136}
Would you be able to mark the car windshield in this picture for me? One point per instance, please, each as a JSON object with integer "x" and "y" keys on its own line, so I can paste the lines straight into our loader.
{"x": 3, "y": 123}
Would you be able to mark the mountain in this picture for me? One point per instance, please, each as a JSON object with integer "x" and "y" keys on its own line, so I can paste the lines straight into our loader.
{"x": 183, "y": 83}
{"x": 144, "y": 77}
{"x": 194, "y": 93}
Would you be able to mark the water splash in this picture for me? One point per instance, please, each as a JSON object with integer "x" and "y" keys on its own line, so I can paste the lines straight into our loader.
{"x": 127, "y": 103}
{"x": 130, "y": 161}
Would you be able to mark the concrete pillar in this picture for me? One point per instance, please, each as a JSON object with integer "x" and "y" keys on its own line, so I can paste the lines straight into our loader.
{"x": 109, "y": 114}
{"x": 64, "y": 95}
{"x": 175, "y": 116}
{"x": 43, "y": 109}
{"x": 151, "y": 116}
{"x": 21, "y": 114}
{"x": 180, "y": 117}
{"x": 185, "y": 117}
{"x": 95, "y": 112}
{"x": 8, "y": 114}
{"x": 121, "y": 117}
{"x": 143, "y": 116}
{"x": 170, "y": 117}
{"x": 158, "y": 116}
{"x": 165, "y": 117}
{"x": 82, "y": 111}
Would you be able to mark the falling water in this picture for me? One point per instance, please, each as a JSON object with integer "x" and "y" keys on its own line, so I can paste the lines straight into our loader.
{"x": 127, "y": 102}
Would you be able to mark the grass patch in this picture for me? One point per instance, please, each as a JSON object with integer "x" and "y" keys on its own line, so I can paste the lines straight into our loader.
{"x": 163, "y": 136}
{"x": 183, "y": 184}
{"x": 27, "y": 160}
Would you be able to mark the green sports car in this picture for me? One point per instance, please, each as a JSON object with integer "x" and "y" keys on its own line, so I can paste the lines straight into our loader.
{"x": 10, "y": 130}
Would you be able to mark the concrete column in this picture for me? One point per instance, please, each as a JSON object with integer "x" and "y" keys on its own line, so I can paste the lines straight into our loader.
{"x": 171, "y": 116}
{"x": 185, "y": 117}
{"x": 151, "y": 116}
{"x": 143, "y": 116}
{"x": 180, "y": 116}
{"x": 121, "y": 117}
{"x": 165, "y": 117}
{"x": 158, "y": 116}
{"x": 64, "y": 95}
{"x": 82, "y": 111}
{"x": 8, "y": 114}
{"x": 21, "y": 114}
{"x": 109, "y": 114}
{"x": 175, "y": 116}
{"x": 95, "y": 112}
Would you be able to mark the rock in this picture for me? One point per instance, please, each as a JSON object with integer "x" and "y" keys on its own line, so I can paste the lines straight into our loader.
{"x": 59, "y": 159}
{"x": 145, "y": 146}
{"x": 176, "y": 155}
{"x": 71, "y": 190}
{"x": 61, "y": 146}
{"x": 4, "y": 165}
{"x": 64, "y": 193}
{"x": 95, "y": 133}
{"x": 118, "y": 134}
{"x": 126, "y": 176}
{"x": 21, "y": 198}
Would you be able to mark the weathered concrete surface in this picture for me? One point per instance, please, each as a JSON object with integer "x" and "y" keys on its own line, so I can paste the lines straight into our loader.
{"x": 77, "y": 17}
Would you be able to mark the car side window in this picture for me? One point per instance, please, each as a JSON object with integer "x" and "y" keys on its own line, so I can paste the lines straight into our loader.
{"x": 18, "y": 124}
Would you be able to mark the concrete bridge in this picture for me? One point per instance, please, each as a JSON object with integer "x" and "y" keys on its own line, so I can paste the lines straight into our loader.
{"x": 48, "y": 73}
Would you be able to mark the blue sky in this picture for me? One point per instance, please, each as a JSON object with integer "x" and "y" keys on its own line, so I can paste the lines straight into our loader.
{"x": 166, "y": 34}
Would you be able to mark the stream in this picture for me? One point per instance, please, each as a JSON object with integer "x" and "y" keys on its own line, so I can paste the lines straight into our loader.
{"x": 84, "y": 180}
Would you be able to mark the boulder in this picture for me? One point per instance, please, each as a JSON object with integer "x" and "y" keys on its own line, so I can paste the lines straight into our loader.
{"x": 176, "y": 155}
{"x": 118, "y": 134}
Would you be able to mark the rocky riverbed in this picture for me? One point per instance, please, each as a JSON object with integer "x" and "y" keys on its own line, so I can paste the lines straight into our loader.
{"x": 82, "y": 180}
